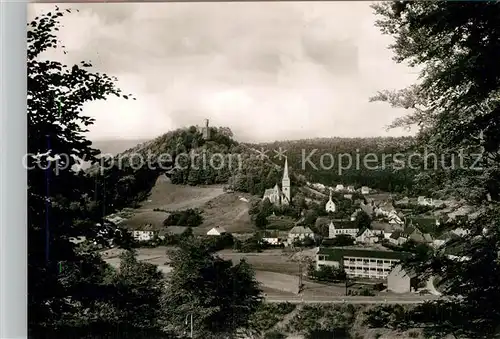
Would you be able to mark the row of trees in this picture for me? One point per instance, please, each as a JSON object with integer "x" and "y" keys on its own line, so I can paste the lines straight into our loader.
{"x": 456, "y": 105}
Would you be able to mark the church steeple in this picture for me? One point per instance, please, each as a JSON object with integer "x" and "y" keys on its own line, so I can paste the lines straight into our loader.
{"x": 285, "y": 183}
{"x": 285, "y": 170}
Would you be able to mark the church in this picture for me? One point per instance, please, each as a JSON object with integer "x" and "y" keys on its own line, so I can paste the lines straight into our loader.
{"x": 330, "y": 205}
{"x": 277, "y": 196}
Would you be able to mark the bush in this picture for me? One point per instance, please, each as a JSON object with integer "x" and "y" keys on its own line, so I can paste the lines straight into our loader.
{"x": 269, "y": 315}
{"x": 219, "y": 243}
{"x": 189, "y": 217}
{"x": 326, "y": 274}
{"x": 388, "y": 316}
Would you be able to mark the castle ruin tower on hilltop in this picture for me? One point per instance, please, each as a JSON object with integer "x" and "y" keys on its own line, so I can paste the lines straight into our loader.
{"x": 285, "y": 184}
{"x": 206, "y": 131}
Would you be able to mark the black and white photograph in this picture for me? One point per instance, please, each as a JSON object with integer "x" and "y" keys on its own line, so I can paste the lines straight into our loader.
{"x": 263, "y": 170}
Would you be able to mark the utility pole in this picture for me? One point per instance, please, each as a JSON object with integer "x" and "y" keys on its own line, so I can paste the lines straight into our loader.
{"x": 47, "y": 205}
{"x": 191, "y": 321}
{"x": 103, "y": 199}
{"x": 300, "y": 275}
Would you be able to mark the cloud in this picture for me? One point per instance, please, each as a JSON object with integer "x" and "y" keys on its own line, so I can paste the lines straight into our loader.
{"x": 267, "y": 70}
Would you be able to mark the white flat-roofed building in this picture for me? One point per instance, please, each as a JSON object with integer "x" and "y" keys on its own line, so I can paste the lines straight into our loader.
{"x": 360, "y": 262}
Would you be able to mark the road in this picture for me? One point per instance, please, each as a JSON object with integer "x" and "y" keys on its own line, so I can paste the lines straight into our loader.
{"x": 321, "y": 299}
{"x": 350, "y": 300}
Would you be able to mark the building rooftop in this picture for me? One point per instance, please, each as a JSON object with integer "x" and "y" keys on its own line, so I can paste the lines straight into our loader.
{"x": 301, "y": 230}
{"x": 338, "y": 253}
{"x": 344, "y": 224}
{"x": 396, "y": 234}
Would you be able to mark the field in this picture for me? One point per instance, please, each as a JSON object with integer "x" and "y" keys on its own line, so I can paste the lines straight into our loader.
{"x": 276, "y": 270}
{"x": 229, "y": 210}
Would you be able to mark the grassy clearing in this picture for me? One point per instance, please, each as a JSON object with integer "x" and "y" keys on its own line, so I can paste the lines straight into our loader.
{"x": 228, "y": 210}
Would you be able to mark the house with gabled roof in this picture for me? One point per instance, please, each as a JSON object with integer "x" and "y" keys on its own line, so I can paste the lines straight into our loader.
{"x": 365, "y": 190}
{"x": 273, "y": 237}
{"x": 145, "y": 232}
{"x": 402, "y": 280}
{"x": 339, "y": 188}
{"x": 300, "y": 233}
{"x": 426, "y": 224}
{"x": 345, "y": 227}
{"x": 397, "y": 238}
{"x": 367, "y": 236}
{"x": 218, "y": 230}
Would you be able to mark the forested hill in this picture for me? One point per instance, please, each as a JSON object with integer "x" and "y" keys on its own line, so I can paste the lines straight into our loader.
{"x": 188, "y": 159}
{"x": 356, "y": 161}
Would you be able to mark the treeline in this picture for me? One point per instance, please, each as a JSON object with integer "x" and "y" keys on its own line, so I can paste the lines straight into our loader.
{"x": 356, "y": 161}
{"x": 188, "y": 159}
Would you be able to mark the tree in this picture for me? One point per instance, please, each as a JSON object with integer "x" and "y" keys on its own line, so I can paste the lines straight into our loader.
{"x": 363, "y": 220}
{"x": 138, "y": 292}
{"x": 340, "y": 240}
{"x": 56, "y": 95}
{"x": 220, "y": 296}
{"x": 71, "y": 290}
{"x": 261, "y": 220}
{"x": 456, "y": 106}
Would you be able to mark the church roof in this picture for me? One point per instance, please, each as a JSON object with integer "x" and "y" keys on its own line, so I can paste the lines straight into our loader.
{"x": 285, "y": 169}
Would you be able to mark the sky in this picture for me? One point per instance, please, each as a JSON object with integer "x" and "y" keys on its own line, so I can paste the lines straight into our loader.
{"x": 268, "y": 70}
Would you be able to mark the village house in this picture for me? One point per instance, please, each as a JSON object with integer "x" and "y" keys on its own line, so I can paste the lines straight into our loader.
{"x": 401, "y": 281}
{"x": 339, "y": 188}
{"x": 342, "y": 227}
{"x": 404, "y": 201}
{"x": 300, "y": 233}
{"x": 395, "y": 219}
{"x": 381, "y": 228}
{"x": 367, "y": 236}
{"x": 277, "y": 196}
{"x": 144, "y": 233}
{"x": 218, "y": 230}
{"x": 358, "y": 262}
{"x": 442, "y": 239}
{"x": 274, "y": 238}
{"x": 330, "y": 205}
{"x": 350, "y": 189}
{"x": 427, "y": 224}
{"x": 397, "y": 238}
{"x": 348, "y": 196}
{"x": 365, "y": 190}
{"x": 424, "y": 201}
{"x": 461, "y": 232}
{"x": 384, "y": 209}
{"x": 410, "y": 233}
